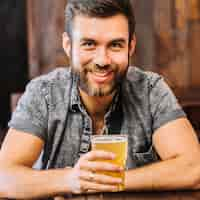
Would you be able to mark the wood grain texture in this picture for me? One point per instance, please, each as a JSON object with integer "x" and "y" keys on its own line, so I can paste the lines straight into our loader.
{"x": 195, "y": 10}
{"x": 171, "y": 32}
{"x": 175, "y": 195}
{"x": 194, "y": 46}
{"x": 167, "y": 41}
{"x": 45, "y": 28}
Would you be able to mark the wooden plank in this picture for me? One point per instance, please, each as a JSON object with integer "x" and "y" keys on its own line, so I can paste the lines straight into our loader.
{"x": 52, "y": 27}
{"x": 33, "y": 38}
{"x": 45, "y": 28}
{"x": 188, "y": 195}
{"x": 144, "y": 34}
{"x": 194, "y": 46}
{"x": 151, "y": 196}
{"x": 194, "y": 42}
{"x": 171, "y": 29}
{"x": 194, "y": 10}
{"x": 113, "y": 196}
{"x": 96, "y": 197}
{"x": 165, "y": 48}
{"x": 71, "y": 197}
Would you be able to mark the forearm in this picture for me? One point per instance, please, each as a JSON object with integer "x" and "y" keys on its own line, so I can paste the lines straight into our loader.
{"x": 24, "y": 183}
{"x": 177, "y": 173}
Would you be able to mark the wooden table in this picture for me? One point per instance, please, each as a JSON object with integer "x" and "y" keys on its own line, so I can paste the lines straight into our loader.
{"x": 178, "y": 195}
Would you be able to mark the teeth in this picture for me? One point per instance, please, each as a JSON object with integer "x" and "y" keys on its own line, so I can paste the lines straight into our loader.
{"x": 101, "y": 74}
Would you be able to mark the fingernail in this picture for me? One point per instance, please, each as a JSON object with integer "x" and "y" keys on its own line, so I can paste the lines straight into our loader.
{"x": 121, "y": 169}
{"x": 119, "y": 180}
{"x": 113, "y": 156}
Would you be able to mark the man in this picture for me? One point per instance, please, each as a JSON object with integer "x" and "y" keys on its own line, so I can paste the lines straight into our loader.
{"x": 99, "y": 94}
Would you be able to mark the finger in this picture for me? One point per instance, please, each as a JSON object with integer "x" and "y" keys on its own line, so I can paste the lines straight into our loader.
{"x": 100, "y": 166}
{"x": 59, "y": 198}
{"x": 94, "y": 155}
{"x": 88, "y": 186}
{"x": 99, "y": 178}
{"x": 92, "y": 191}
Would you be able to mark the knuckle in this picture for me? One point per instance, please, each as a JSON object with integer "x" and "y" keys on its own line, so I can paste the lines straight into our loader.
{"x": 83, "y": 165}
{"x": 109, "y": 188}
{"x": 94, "y": 165}
{"x": 110, "y": 166}
{"x": 83, "y": 186}
{"x": 81, "y": 174}
{"x": 86, "y": 156}
{"x": 109, "y": 180}
{"x": 90, "y": 155}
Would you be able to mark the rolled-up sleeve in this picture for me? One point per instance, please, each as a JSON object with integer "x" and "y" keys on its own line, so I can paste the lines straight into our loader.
{"x": 31, "y": 114}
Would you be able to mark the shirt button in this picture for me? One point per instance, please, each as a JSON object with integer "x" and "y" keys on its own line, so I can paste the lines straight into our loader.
{"x": 85, "y": 138}
{"x": 84, "y": 147}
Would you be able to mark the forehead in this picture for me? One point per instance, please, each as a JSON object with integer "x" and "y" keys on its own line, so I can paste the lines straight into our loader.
{"x": 104, "y": 28}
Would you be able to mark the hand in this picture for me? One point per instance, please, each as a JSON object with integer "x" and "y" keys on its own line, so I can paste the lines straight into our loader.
{"x": 84, "y": 177}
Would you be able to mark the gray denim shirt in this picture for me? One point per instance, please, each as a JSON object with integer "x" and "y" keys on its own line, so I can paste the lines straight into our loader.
{"x": 52, "y": 110}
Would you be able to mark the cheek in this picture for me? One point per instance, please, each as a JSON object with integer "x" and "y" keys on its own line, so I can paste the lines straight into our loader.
{"x": 121, "y": 59}
{"x": 82, "y": 58}
{"x": 78, "y": 57}
{"x": 75, "y": 57}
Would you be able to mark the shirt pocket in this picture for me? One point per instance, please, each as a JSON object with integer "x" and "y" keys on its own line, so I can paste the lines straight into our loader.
{"x": 144, "y": 158}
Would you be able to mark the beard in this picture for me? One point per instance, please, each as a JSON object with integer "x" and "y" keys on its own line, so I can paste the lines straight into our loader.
{"x": 99, "y": 90}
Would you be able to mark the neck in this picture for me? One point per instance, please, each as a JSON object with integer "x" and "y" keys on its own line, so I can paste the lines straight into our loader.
{"x": 96, "y": 106}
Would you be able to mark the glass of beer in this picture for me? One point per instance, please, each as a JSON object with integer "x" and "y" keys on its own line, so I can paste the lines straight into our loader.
{"x": 117, "y": 144}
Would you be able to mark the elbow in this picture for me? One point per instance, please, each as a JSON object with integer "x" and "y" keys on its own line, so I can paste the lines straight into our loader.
{"x": 7, "y": 186}
{"x": 193, "y": 174}
{"x": 194, "y": 182}
{"x": 3, "y": 184}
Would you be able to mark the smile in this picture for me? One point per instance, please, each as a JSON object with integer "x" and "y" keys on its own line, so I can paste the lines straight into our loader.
{"x": 101, "y": 78}
{"x": 101, "y": 74}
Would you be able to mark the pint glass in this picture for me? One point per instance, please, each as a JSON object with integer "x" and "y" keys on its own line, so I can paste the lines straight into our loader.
{"x": 118, "y": 144}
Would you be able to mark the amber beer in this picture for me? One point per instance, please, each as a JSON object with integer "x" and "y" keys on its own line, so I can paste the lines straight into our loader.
{"x": 118, "y": 144}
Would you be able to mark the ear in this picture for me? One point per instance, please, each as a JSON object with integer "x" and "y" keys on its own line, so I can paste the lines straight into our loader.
{"x": 132, "y": 45}
{"x": 66, "y": 43}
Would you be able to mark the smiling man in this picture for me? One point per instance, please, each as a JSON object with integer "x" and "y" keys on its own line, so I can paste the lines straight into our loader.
{"x": 100, "y": 93}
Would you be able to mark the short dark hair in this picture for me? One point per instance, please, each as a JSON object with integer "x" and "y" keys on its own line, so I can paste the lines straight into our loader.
{"x": 99, "y": 8}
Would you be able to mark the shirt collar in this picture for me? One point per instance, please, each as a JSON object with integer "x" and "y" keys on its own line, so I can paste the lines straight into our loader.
{"x": 75, "y": 98}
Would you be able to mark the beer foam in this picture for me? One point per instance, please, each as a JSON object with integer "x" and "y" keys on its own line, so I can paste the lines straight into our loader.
{"x": 108, "y": 139}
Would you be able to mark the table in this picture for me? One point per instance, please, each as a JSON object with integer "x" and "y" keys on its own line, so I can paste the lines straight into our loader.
{"x": 176, "y": 195}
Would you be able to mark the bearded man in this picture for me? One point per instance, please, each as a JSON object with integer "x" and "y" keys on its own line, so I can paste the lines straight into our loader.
{"x": 100, "y": 93}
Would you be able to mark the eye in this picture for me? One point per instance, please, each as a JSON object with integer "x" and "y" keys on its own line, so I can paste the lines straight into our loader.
{"x": 116, "y": 45}
{"x": 88, "y": 44}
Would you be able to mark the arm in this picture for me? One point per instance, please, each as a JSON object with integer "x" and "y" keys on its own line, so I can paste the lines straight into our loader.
{"x": 179, "y": 168}
{"x": 18, "y": 180}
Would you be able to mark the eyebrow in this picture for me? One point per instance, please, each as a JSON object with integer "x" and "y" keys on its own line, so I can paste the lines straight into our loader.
{"x": 119, "y": 40}
{"x": 87, "y": 39}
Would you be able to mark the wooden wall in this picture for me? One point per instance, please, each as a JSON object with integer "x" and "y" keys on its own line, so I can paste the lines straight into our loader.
{"x": 171, "y": 34}
{"x": 13, "y": 53}
{"x": 168, "y": 42}
{"x": 174, "y": 50}
{"x": 167, "y": 33}
{"x": 45, "y": 28}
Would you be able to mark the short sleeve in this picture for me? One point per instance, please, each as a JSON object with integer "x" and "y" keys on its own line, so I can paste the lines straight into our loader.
{"x": 163, "y": 103}
{"x": 31, "y": 114}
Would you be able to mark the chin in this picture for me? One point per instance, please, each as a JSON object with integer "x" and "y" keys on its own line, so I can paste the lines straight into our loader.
{"x": 100, "y": 92}
{"x": 92, "y": 89}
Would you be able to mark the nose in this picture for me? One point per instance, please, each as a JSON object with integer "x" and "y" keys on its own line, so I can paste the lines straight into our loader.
{"x": 102, "y": 58}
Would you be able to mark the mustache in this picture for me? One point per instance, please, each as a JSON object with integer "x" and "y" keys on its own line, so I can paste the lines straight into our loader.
{"x": 100, "y": 68}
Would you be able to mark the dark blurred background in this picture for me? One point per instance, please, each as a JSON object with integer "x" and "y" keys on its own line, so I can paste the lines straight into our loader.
{"x": 168, "y": 42}
{"x": 13, "y": 54}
